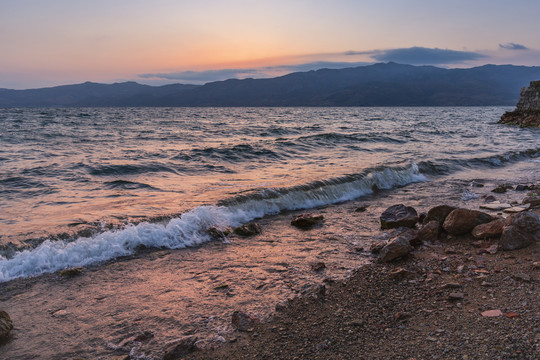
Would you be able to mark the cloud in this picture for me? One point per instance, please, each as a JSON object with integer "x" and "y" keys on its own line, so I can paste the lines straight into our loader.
{"x": 513, "y": 46}
{"x": 259, "y": 72}
{"x": 422, "y": 56}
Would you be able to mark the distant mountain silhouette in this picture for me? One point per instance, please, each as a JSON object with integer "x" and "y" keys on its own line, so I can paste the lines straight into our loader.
{"x": 384, "y": 84}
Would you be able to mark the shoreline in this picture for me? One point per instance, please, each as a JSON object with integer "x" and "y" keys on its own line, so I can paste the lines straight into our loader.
{"x": 338, "y": 241}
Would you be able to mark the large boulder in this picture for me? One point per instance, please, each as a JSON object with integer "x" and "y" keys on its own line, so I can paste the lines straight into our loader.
{"x": 462, "y": 221}
{"x": 397, "y": 247}
{"x": 520, "y": 230}
{"x": 438, "y": 213}
{"x": 398, "y": 216}
{"x": 488, "y": 230}
{"x": 6, "y": 325}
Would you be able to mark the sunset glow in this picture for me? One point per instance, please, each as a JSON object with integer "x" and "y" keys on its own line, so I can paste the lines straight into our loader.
{"x": 60, "y": 41}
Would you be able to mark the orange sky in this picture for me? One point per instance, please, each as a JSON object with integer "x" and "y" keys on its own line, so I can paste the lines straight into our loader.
{"x": 64, "y": 41}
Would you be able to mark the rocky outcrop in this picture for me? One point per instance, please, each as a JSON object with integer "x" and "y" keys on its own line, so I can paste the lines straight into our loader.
{"x": 527, "y": 112}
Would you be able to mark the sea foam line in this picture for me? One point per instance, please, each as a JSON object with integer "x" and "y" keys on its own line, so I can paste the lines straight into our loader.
{"x": 190, "y": 228}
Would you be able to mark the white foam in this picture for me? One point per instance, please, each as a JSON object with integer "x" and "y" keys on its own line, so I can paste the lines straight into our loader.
{"x": 190, "y": 228}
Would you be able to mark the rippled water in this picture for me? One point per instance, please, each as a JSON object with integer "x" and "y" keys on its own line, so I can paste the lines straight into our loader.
{"x": 72, "y": 174}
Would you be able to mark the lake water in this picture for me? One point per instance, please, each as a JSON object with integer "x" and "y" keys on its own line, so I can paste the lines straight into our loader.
{"x": 79, "y": 186}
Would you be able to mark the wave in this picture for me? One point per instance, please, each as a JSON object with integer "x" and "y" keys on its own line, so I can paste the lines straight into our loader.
{"x": 190, "y": 229}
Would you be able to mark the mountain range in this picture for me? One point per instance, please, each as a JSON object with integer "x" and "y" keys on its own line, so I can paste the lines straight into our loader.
{"x": 383, "y": 84}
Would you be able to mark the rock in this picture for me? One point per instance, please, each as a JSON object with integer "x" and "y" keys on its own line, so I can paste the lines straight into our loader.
{"x": 317, "y": 266}
{"x": 243, "y": 321}
{"x": 429, "y": 232}
{"x": 491, "y": 229}
{"x": 492, "y": 313}
{"x": 495, "y": 206}
{"x": 511, "y": 315}
{"x": 502, "y": 188}
{"x": 516, "y": 209}
{"x": 438, "y": 213}
{"x": 452, "y": 285}
{"x": 475, "y": 183}
{"x": 527, "y": 112}
{"x": 306, "y": 221}
{"x": 361, "y": 208}
{"x": 248, "y": 229}
{"x": 462, "y": 221}
{"x": 522, "y": 277}
{"x": 521, "y": 187}
{"x": 71, "y": 272}
{"x": 377, "y": 246}
{"x": 532, "y": 200}
{"x": 399, "y": 273}
{"x": 396, "y": 248}
{"x": 398, "y": 216}
{"x": 489, "y": 198}
{"x": 210, "y": 343}
{"x": 217, "y": 233}
{"x": 520, "y": 230}
{"x": 179, "y": 348}
{"x": 6, "y": 325}
{"x": 456, "y": 296}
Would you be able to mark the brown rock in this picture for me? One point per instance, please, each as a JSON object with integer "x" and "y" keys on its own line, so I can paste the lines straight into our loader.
{"x": 438, "y": 213}
{"x": 462, "y": 221}
{"x": 71, "y": 272}
{"x": 429, "y": 232}
{"x": 520, "y": 230}
{"x": 511, "y": 315}
{"x": 396, "y": 248}
{"x": 243, "y": 321}
{"x": 399, "y": 273}
{"x": 398, "y": 216}
{"x": 456, "y": 296}
{"x": 502, "y": 188}
{"x": 491, "y": 229}
{"x": 6, "y": 325}
{"x": 248, "y": 229}
{"x": 377, "y": 246}
{"x": 306, "y": 221}
{"x": 181, "y": 347}
{"x": 317, "y": 266}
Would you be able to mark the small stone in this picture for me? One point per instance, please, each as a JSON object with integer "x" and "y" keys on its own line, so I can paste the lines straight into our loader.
{"x": 492, "y": 313}
{"x": 71, "y": 272}
{"x": 452, "y": 286}
{"x": 306, "y": 221}
{"x": 317, "y": 266}
{"x": 243, "y": 321}
{"x": 522, "y": 277}
{"x": 456, "y": 296}
{"x": 248, "y": 229}
{"x": 511, "y": 315}
{"x": 489, "y": 198}
{"x": 399, "y": 273}
{"x": 521, "y": 187}
{"x": 495, "y": 206}
{"x": 502, "y": 188}
{"x": 361, "y": 208}
{"x": 400, "y": 316}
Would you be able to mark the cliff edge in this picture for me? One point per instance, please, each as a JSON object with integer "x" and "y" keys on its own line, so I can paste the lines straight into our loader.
{"x": 527, "y": 112}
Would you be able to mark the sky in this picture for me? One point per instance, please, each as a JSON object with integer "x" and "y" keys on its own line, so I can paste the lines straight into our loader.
{"x": 57, "y": 42}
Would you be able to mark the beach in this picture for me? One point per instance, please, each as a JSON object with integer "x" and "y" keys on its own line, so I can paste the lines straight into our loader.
{"x": 140, "y": 286}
